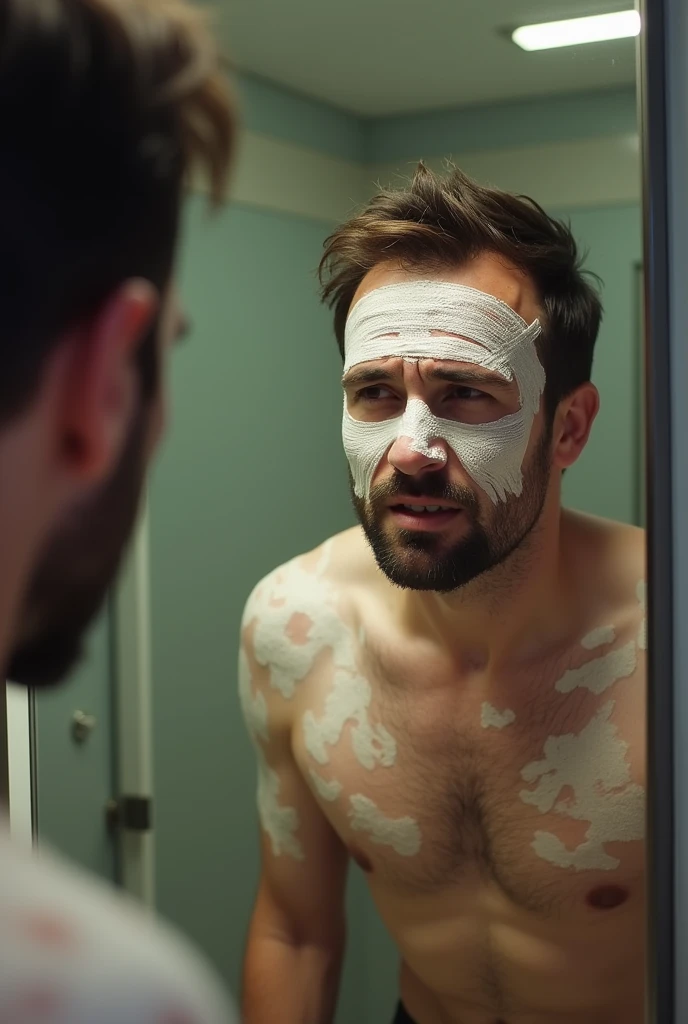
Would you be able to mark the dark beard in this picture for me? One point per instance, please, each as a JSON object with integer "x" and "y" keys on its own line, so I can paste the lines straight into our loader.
{"x": 73, "y": 576}
{"x": 417, "y": 560}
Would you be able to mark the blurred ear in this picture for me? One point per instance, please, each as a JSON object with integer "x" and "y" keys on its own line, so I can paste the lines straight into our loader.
{"x": 100, "y": 382}
{"x": 572, "y": 424}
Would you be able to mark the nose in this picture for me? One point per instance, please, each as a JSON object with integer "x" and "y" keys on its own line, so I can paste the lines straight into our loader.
{"x": 405, "y": 457}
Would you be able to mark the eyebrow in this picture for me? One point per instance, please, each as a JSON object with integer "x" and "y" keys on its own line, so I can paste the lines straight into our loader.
{"x": 366, "y": 375}
{"x": 488, "y": 380}
{"x": 371, "y": 374}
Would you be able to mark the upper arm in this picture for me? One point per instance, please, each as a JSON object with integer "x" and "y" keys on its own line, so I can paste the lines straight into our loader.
{"x": 304, "y": 863}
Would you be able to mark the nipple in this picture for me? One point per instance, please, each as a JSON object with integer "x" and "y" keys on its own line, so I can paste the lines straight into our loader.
{"x": 606, "y": 897}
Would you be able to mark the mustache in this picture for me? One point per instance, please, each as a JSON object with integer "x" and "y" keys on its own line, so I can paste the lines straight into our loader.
{"x": 429, "y": 485}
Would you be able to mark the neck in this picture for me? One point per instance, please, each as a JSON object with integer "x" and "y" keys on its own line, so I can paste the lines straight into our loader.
{"x": 506, "y": 614}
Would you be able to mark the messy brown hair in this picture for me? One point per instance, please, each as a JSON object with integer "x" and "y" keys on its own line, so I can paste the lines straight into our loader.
{"x": 439, "y": 222}
{"x": 108, "y": 107}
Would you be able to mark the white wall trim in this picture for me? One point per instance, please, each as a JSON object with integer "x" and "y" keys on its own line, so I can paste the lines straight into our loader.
{"x": 583, "y": 172}
{"x": 19, "y": 764}
{"x": 133, "y": 701}
{"x": 287, "y": 178}
{"x": 271, "y": 174}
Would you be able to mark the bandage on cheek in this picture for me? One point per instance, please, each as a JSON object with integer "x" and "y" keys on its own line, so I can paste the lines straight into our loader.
{"x": 396, "y": 321}
{"x": 491, "y": 453}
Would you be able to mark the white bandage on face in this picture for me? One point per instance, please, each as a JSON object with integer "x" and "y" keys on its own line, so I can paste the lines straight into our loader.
{"x": 397, "y": 320}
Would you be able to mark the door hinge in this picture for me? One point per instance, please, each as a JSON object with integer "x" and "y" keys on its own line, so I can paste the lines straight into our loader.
{"x": 134, "y": 813}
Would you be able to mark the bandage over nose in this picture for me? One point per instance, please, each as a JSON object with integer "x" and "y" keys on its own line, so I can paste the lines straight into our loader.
{"x": 398, "y": 320}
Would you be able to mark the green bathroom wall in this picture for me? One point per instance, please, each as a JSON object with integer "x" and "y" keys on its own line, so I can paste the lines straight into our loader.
{"x": 282, "y": 114}
{"x": 251, "y": 474}
{"x": 606, "y": 481}
{"x": 583, "y": 115}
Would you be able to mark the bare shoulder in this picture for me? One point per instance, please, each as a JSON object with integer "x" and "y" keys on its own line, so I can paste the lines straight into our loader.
{"x": 302, "y": 607}
{"x": 341, "y": 561}
{"x": 609, "y": 559}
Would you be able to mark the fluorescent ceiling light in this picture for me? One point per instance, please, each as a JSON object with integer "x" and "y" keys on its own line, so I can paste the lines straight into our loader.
{"x": 575, "y": 31}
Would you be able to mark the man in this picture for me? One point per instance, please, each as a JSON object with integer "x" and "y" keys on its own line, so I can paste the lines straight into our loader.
{"x": 451, "y": 695}
{"x": 107, "y": 105}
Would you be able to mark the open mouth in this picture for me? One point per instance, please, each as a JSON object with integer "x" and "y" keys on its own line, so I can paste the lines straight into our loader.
{"x": 423, "y": 516}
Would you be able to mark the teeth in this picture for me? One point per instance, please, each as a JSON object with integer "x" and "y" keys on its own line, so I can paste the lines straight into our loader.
{"x": 423, "y": 508}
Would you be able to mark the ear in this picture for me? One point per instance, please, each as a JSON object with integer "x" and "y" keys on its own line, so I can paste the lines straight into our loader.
{"x": 100, "y": 382}
{"x": 572, "y": 424}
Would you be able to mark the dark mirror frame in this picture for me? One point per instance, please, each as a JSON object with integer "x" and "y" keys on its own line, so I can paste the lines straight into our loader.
{"x": 664, "y": 120}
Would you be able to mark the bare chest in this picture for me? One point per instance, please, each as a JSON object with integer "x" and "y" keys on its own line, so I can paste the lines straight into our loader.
{"x": 533, "y": 784}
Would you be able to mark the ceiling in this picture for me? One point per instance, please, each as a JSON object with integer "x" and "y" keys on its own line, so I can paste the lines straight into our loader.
{"x": 381, "y": 57}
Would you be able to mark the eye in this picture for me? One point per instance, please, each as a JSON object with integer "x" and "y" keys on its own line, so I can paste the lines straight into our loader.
{"x": 466, "y": 394}
{"x": 374, "y": 393}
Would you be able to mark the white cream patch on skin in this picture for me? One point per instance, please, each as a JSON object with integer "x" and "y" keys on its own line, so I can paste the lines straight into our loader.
{"x": 293, "y": 597}
{"x": 290, "y": 598}
{"x": 599, "y": 637}
{"x": 348, "y": 701}
{"x": 402, "y": 834}
{"x": 490, "y": 717}
{"x": 593, "y": 764}
{"x": 642, "y": 630}
{"x": 279, "y": 822}
{"x": 600, "y": 673}
{"x": 253, "y": 706}
{"x": 295, "y": 618}
{"x": 328, "y": 790}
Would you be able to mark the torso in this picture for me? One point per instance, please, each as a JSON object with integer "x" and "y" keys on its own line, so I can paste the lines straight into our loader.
{"x": 498, "y": 816}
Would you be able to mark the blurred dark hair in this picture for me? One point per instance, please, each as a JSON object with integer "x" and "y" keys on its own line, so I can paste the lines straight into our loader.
{"x": 106, "y": 107}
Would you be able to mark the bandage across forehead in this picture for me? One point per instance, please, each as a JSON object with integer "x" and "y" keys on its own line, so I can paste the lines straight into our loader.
{"x": 399, "y": 320}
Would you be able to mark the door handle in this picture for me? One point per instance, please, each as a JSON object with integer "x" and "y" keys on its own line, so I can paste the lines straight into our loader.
{"x": 134, "y": 813}
{"x": 82, "y": 726}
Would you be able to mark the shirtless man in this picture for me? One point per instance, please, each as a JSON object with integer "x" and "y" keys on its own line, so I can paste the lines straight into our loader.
{"x": 452, "y": 695}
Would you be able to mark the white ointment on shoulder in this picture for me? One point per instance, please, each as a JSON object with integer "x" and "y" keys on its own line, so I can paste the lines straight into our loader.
{"x": 490, "y": 717}
{"x": 598, "y": 674}
{"x": 295, "y": 616}
{"x": 599, "y": 637}
{"x": 593, "y": 764}
{"x": 293, "y": 622}
{"x": 402, "y": 834}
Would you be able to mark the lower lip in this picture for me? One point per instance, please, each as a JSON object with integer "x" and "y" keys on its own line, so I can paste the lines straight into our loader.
{"x": 428, "y": 521}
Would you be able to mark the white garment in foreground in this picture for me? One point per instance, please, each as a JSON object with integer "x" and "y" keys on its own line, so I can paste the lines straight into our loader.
{"x": 73, "y": 952}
